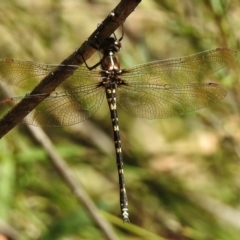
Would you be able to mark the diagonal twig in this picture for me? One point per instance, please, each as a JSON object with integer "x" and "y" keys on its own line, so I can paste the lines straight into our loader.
{"x": 55, "y": 78}
{"x": 68, "y": 177}
{"x": 66, "y": 174}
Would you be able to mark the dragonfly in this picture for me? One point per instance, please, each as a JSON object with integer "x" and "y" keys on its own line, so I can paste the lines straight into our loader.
{"x": 154, "y": 90}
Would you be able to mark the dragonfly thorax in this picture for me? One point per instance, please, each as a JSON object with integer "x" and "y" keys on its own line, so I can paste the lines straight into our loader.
{"x": 110, "y": 62}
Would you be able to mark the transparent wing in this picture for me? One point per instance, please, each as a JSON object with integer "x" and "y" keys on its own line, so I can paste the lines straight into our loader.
{"x": 154, "y": 101}
{"x": 72, "y": 102}
{"x": 171, "y": 87}
{"x": 27, "y": 75}
{"x": 60, "y": 108}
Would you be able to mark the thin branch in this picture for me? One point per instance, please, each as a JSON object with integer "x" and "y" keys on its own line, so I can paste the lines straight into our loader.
{"x": 55, "y": 78}
{"x": 66, "y": 174}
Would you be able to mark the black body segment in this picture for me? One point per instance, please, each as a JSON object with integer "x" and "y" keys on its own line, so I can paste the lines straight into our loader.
{"x": 111, "y": 98}
{"x": 159, "y": 89}
{"x": 111, "y": 81}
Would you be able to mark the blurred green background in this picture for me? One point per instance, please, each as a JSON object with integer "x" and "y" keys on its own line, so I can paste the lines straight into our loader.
{"x": 182, "y": 174}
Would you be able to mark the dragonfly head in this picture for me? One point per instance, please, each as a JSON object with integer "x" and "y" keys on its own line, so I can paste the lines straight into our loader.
{"x": 110, "y": 45}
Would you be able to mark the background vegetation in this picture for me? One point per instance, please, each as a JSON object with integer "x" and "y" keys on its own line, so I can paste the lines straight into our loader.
{"x": 182, "y": 174}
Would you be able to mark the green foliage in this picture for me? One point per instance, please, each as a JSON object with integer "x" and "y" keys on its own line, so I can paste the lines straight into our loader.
{"x": 182, "y": 173}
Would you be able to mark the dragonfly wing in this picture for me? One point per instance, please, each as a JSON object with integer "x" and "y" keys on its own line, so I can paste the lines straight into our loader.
{"x": 73, "y": 101}
{"x": 172, "y": 87}
{"x": 163, "y": 101}
{"x": 61, "y": 108}
{"x": 181, "y": 70}
{"x": 28, "y": 75}
{"x": 23, "y": 74}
